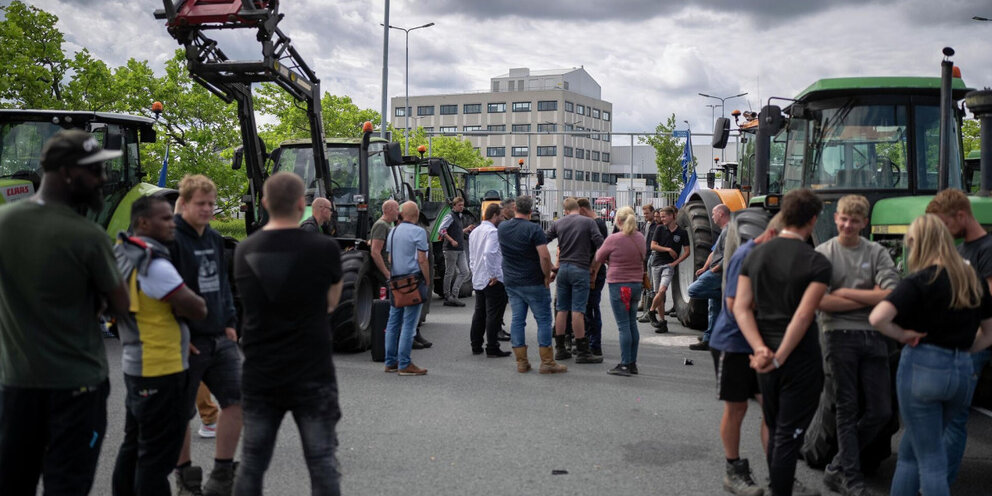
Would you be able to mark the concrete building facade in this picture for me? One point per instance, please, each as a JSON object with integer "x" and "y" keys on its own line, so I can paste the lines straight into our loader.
{"x": 553, "y": 120}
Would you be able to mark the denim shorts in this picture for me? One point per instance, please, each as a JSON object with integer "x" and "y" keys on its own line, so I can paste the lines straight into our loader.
{"x": 572, "y": 286}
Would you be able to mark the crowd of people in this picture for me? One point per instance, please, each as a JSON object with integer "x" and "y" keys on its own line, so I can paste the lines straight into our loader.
{"x": 167, "y": 286}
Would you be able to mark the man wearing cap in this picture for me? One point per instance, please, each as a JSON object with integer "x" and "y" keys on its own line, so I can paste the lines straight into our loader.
{"x": 58, "y": 276}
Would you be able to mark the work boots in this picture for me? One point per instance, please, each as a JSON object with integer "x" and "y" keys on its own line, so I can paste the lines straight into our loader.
{"x": 548, "y": 364}
{"x": 188, "y": 480}
{"x": 561, "y": 348}
{"x": 738, "y": 479}
{"x": 221, "y": 480}
{"x": 584, "y": 355}
{"x": 523, "y": 365}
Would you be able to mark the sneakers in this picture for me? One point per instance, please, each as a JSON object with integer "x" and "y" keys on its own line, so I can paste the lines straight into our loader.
{"x": 644, "y": 318}
{"x": 419, "y": 339}
{"x": 391, "y": 369}
{"x": 412, "y": 370}
{"x": 221, "y": 480}
{"x": 738, "y": 479}
{"x": 451, "y": 301}
{"x": 661, "y": 327}
{"x": 800, "y": 489}
{"x": 632, "y": 367}
{"x": 208, "y": 430}
{"x": 700, "y": 346}
{"x": 188, "y": 480}
{"x": 621, "y": 369}
{"x": 833, "y": 478}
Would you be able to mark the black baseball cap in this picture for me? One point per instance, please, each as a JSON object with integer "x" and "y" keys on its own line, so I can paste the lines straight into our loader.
{"x": 73, "y": 147}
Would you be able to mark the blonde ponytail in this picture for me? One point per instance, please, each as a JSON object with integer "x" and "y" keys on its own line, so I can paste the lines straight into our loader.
{"x": 627, "y": 220}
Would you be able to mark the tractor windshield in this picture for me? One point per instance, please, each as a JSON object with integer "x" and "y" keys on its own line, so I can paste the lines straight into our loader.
{"x": 490, "y": 185}
{"x": 855, "y": 145}
{"x": 20, "y": 147}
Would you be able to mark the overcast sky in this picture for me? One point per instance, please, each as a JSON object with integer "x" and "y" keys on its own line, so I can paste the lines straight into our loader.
{"x": 651, "y": 57}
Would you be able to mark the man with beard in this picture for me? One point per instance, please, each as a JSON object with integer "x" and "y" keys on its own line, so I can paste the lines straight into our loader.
{"x": 59, "y": 274}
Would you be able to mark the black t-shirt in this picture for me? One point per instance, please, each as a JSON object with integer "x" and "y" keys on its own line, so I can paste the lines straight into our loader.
{"x": 601, "y": 275}
{"x": 923, "y": 305}
{"x": 780, "y": 270}
{"x": 283, "y": 277}
{"x": 979, "y": 254}
{"x": 670, "y": 239}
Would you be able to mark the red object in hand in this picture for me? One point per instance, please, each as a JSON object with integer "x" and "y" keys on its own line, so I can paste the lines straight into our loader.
{"x": 382, "y": 293}
{"x": 625, "y": 296}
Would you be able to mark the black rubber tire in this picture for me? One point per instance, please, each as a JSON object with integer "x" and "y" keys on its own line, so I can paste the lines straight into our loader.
{"x": 426, "y": 309}
{"x": 351, "y": 321}
{"x": 744, "y": 225}
{"x": 695, "y": 219}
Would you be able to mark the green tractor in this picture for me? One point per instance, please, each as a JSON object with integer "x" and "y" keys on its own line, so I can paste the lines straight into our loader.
{"x": 24, "y": 132}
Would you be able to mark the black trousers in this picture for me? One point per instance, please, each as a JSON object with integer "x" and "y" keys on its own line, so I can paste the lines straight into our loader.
{"x": 790, "y": 396}
{"x": 490, "y": 303}
{"x": 52, "y": 433}
{"x": 154, "y": 430}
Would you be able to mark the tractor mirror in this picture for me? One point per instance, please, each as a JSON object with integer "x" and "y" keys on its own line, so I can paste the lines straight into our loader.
{"x": 721, "y": 133}
{"x": 394, "y": 155}
{"x": 434, "y": 168}
{"x": 147, "y": 134}
{"x": 239, "y": 155}
{"x": 770, "y": 120}
{"x": 114, "y": 141}
{"x": 540, "y": 177}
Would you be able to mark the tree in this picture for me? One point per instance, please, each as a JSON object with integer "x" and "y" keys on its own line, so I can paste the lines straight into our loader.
{"x": 341, "y": 117}
{"x": 458, "y": 151}
{"x": 668, "y": 155}
{"x": 970, "y": 135}
{"x": 34, "y": 62}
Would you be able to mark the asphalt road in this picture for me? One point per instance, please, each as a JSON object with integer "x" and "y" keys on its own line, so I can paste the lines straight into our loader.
{"x": 474, "y": 425}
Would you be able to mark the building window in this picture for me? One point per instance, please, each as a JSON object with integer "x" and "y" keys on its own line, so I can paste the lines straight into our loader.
{"x": 589, "y": 111}
{"x": 567, "y": 173}
{"x": 547, "y": 105}
{"x": 425, "y": 110}
{"x": 520, "y": 128}
{"x": 498, "y": 128}
{"x": 549, "y": 173}
{"x": 449, "y": 129}
{"x": 449, "y": 109}
{"x": 595, "y": 177}
{"x": 606, "y": 156}
{"x": 580, "y": 153}
{"x": 547, "y": 151}
{"x": 594, "y": 136}
{"x": 606, "y": 137}
{"x": 495, "y": 86}
{"x": 568, "y": 151}
{"x": 518, "y": 151}
{"x": 595, "y": 155}
{"x": 595, "y": 113}
{"x": 580, "y": 109}
{"x": 429, "y": 130}
{"x": 496, "y": 151}
{"x": 547, "y": 128}
{"x": 569, "y": 106}
{"x": 521, "y": 106}
{"x": 497, "y": 108}
{"x": 569, "y": 127}
{"x": 472, "y": 108}
{"x": 400, "y": 113}
{"x": 606, "y": 115}
{"x": 513, "y": 85}
{"x": 469, "y": 129}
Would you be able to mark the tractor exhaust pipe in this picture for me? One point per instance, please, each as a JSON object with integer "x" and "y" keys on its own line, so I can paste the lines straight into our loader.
{"x": 946, "y": 118}
{"x": 980, "y": 104}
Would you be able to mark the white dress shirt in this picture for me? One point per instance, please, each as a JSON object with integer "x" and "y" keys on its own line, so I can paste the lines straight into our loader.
{"x": 485, "y": 257}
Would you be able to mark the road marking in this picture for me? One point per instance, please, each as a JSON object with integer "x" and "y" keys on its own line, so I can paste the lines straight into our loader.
{"x": 673, "y": 341}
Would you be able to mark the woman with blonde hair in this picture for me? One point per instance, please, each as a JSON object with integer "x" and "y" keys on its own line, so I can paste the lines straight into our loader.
{"x": 944, "y": 303}
{"x": 624, "y": 251}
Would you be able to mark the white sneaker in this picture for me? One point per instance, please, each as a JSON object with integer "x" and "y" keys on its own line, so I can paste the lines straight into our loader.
{"x": 208, "y": 430}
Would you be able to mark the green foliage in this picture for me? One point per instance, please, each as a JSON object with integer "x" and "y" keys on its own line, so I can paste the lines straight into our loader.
{"x": 342, "y": 118}
{"x": 34, "y": 63}
{"x": 668, "y": 155}
{"x": 458, "y": 151}
{"x": 234, "y": 228}
{"x": 970, "y": 135}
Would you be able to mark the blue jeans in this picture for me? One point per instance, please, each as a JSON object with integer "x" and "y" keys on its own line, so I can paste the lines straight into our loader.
{"x": 572, "y": 288}
{"x": 934, "y": 385}
{"x": 708, "y": 286}
{"x": 626, "y": 315}
{"x": 316, "y": 412}
{"x": 594, "y": 316}
{"x": 538, "y": 299}
{"x": 956, "y": 433}
{"x": 400, "y": 342}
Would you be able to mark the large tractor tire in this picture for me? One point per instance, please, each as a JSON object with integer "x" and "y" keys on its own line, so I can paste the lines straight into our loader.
{"x": 695, "y": 219}
{"x": 744, "y": 225}
{"x": 352, "y": 319}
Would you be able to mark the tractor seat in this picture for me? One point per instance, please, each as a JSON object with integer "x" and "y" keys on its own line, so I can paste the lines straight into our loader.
{"x": 492, "y": 195}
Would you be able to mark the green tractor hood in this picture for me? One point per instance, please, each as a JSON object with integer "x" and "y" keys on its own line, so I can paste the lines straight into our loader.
{"x": 894, "y": 215}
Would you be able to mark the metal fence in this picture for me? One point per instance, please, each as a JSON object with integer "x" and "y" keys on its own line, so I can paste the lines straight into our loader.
{"x": 549, "y": 201}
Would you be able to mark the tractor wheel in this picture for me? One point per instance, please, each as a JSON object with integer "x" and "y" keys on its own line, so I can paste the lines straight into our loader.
{"x": 694, "y": 218}
{"x": 352, "y": 319}
{"x": 744, "y": 225}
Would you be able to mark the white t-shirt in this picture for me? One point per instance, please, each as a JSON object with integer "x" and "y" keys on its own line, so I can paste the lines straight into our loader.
{"x": 161, "y": 281}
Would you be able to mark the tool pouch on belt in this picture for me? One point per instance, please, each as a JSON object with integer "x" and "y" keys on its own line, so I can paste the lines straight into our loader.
{"x": 407, "y": 290}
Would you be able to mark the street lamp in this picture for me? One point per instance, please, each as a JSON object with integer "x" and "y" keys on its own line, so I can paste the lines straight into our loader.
{"x": 723, "y": 111}
{"x": 406, "y": 109}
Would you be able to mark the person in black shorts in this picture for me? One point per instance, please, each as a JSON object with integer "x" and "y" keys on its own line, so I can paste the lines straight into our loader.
{"x": 778, "y": 291}
{"x": 670, "y": 246}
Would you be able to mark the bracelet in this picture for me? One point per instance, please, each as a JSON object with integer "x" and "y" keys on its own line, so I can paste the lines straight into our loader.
{"x": 775, "y": 362}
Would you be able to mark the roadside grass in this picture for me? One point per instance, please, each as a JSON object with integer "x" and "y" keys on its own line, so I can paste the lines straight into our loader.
{"x": 234, "y": 228}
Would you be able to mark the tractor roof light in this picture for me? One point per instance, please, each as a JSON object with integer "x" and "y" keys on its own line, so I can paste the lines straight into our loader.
{"x": 367, "y": 127}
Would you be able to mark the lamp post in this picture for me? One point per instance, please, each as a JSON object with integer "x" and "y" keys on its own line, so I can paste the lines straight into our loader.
{"x": 723, "y": 111}
{"x": 406, "y": 108}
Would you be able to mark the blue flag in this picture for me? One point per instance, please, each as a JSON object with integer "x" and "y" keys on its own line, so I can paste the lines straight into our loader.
{"x": 165, "y": 168}
{"x": 689, "y": 179}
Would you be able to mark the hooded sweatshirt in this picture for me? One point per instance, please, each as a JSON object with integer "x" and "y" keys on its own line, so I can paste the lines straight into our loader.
{"x": 200, "y": 261}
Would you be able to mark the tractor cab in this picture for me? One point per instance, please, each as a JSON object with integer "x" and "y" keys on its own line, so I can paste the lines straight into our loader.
{"x": 23, "y": 133}
{"x": 487, "y": 185}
